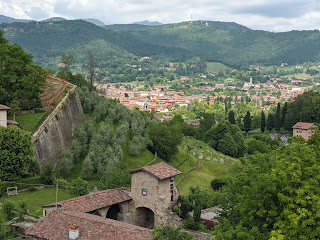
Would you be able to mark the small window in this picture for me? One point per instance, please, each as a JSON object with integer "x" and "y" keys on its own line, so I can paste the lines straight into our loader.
{"x": 171, "y": 195}
{"x": 171, "y": 186}
{"x": 171, "y": 179}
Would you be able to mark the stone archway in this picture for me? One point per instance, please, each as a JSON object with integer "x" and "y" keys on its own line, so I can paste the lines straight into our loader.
{"x": 144, "y": 217}
{"x": 113, "y": 212}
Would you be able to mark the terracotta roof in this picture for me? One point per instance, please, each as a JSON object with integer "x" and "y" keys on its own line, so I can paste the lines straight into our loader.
{"x": 303, "y": 125}
{"x": 11, "y": 122}
{"x": 91, "y": 227}
{"x": 4, "y": 107}
{"x": 91, "y": 202}
{"x": 161, "y": 170}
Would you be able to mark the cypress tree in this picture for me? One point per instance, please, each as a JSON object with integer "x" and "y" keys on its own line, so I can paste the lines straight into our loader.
{"x": 283, "y": 113}
{"x": 270, "y": 122}
{"x": 277, "y": 118}
{"x": 231, "y": 118}
{"x": 263, "y": 122}
{"x": 247, "y": 122}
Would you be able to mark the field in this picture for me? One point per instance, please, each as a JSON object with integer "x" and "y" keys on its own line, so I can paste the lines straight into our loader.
{"x": 36, "y": 199}
{"x": 29, "y": 121}
{"x": 215, "y": 67}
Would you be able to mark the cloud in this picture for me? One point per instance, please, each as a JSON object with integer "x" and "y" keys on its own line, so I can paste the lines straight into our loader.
{"x": 37, "y": 13}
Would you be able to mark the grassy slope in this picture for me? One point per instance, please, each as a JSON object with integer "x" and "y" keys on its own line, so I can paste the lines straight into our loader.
{"x": 215, "y": 67}
{"x": 29, "y": 121}
{"x": 35, "y": 200}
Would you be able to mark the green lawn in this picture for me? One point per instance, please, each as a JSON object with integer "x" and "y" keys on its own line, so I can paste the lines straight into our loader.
{"x": 36, "y": 199}
{"x": 29, "y": 121}
{"x": 215, "y": 67}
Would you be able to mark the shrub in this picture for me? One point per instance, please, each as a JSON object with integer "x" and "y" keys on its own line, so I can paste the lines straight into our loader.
{"x": 79, "y": 187}
{"x": 62, "y": 184}
{"x": 192, "y": 225}
{"x": 47, "y": 174}
{"x": 9, "y": 208}
{"x": 218, "y": 183}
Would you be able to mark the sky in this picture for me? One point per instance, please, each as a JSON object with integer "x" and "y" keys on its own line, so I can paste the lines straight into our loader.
{"x": 269, "y": 15}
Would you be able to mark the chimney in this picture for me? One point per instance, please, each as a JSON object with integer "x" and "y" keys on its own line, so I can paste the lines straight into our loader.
{"x": 73, "y": 232}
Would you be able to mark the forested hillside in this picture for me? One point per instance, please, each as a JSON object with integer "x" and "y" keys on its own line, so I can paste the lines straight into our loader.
{"x": 229, "y": 43}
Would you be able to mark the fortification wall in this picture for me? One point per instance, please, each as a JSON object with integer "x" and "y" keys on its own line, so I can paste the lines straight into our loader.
{"x": 55, "y": 133}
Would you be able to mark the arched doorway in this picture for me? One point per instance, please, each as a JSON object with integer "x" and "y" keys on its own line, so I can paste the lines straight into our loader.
{"x": 144, "y": 217}
{"x": 113, "y": 212}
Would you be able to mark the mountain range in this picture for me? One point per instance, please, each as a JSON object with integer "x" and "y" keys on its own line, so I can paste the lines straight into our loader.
{"x": 226, "y": 42}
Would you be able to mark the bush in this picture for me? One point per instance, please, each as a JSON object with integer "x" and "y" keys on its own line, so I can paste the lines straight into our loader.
{"x": 66, "y": 164}
{"x": 62, "y": 184}
{"x": 218, "y": 183}
{"x": 79, "y": 187}
{"x": 185, "y": 208}
{"x": 192, "y": 225}
{"x": 47, "y": 174}
{"x": 9, "y": 208}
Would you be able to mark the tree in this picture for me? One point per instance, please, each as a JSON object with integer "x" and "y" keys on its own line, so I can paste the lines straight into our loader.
{"x": 66, "y": 163}
{"x": 14, "y": 108}
{"x": 270, "y": 122}
{"x": 87, "y": 168}
{"x": 247, "y": 122}
{"x": 283, "y": 113}
{"x": 3, "y": 228}
{"x": 166, "y": 232}
{"x": 16, "y": 152}
{"x": 20, "y": 80}
{"x": 67, "y": 61}
{"x": 263, "y": 122}
{"x": 47, "y": 175}
{"x": 206, "y": 122}
{"x": 273, "y": 195}
{"x": 79, "y": 187}
{"x": 92, "y": 65}
{"x": 165, "y": 139}
{"x": 231, "y": 118}
{"x": 277, "y": 118}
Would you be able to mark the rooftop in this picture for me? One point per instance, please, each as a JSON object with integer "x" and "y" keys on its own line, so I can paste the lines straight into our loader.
{"x": 56, "y": 227}
{"x": 160, "y": 171}
{"x": 303, "y": 125}
{"x": 4, "y": 107}
{"x": 91, "y": 202}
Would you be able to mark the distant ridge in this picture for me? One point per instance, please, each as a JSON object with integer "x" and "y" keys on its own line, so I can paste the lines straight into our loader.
{"x": 5, "y": 19}
{"x": 54, "y": 19}
{"x": 94, "y": 21}
{"x": 147, "y": 23}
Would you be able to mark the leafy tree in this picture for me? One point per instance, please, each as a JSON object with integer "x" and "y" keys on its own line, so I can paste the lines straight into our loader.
{"x": 231, "y": 118}
{"x": 247, "y": 122}
{"x": 79, "y": 187}
{"x": 47, "y": 175}
{"x": 263, "y": 122}
{"x": 16, "y": 154}
{"x": 270, "y": 122}
{"x": 273, "y": 196}
{"x": 66, "y": 164}
{"x": 20, "y": 80}
{"x": 87, "y": 168}
{"x": 165, "y": 139}
{"x": 206, "y": 122}
{"x": 227, "y": 145}
{"x": 118, "y": 179}
{"x": 14, "y": 108}
{"x": 9, "y": 208}
{"x": 166, "y": 232}
{"x": 277, "y": 118}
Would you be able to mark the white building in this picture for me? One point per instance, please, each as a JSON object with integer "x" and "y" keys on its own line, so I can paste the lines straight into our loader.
{"x": 3, "y": 115}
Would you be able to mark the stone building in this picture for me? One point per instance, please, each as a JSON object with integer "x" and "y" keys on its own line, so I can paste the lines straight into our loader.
{"x": 302, "y": 129}
{"x": 153, "y": 191}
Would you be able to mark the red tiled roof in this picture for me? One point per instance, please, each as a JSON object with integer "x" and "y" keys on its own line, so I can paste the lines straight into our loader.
{"x": 161, "y": 170}
{"x": 56, "y": 227}
{"x": 4, "y": 107}
{"x": 303, "y": 125}
{"x": 91, "y": 202}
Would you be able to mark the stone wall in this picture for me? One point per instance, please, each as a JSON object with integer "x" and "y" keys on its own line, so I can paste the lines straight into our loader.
{"x": 55, "y": 133}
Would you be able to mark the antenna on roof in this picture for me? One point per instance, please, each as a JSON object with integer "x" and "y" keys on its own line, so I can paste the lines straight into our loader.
{"x": 191, "y": 19}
